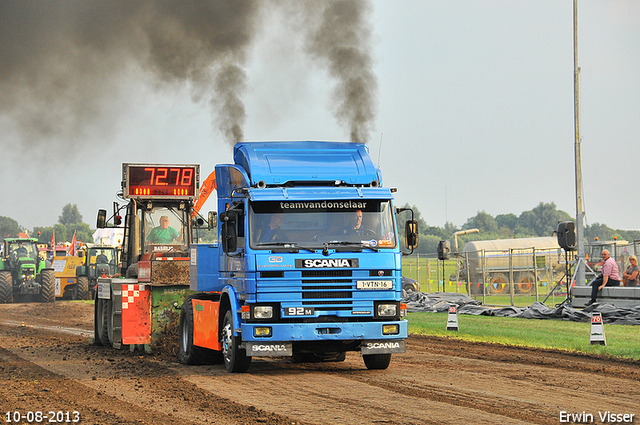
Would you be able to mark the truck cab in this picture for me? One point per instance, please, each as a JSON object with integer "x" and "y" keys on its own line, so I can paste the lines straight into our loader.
{"x": 308, "y": 264}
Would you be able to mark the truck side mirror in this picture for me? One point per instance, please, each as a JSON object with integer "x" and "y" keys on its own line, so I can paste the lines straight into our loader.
{"x": 212, "y": 220}
{"x": 102, "y": 219}
{"x": 229, "y": 237}
{"x": 228, "y": 231}
{"x": 411, "y": 234}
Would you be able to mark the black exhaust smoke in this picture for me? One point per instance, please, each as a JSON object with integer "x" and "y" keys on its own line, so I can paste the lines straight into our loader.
{"x": 63, "y": 62}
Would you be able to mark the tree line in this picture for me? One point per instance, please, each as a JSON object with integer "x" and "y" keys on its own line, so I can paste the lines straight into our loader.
{"x": 540, "y": 221}
{"x": 69, "y": 222}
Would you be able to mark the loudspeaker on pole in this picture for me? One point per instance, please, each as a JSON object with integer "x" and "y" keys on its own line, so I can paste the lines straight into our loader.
{"x": 597, "y": 330}
{"x": 452, "y": 319}
{"x": 444, "y": 250}
{"x": 566, "y": 234}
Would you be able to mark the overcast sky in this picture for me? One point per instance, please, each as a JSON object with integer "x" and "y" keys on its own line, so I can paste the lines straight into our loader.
{"x": 474, "y": 110}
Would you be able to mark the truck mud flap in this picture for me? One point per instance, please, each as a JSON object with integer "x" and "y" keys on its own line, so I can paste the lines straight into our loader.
{"x": 272, "y": 349}
{"x": 383, "y": 347}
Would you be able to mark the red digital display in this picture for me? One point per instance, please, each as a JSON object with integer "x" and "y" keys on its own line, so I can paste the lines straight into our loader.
{"x": 160, "y": 181}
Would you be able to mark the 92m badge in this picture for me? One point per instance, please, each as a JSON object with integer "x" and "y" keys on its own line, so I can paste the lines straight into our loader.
{"x": 299, "y": 311}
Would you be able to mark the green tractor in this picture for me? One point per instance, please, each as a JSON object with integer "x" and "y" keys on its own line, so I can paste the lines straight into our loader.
{"x": 99, "y": 261}
{"x": 23, "y": 275}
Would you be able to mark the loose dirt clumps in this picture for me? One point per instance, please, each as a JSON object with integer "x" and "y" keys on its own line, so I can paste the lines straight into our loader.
{"x": 47, "y": 364}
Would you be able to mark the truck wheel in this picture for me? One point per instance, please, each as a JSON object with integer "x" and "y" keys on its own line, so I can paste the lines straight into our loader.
{"x": 377, "y": 361}
{"x": 498, "y": 284}
{"x": 101, "y": 335}
{"x": 81, "y": 291}
{"x": 525, "y": 283}
{"x": 235, "y": 358}
{"x": 47, "y": 286}
{"x": 6, "y": 288}
{"x": 187, "y": 352}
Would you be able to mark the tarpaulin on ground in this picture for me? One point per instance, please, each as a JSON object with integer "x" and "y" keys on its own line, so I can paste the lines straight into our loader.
{"x": 440, "y": 301}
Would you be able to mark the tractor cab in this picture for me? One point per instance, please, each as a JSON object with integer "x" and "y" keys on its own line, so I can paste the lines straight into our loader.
{"x": 101, "y": 260}
{"x": 21, "y": 251}
{"x": 165, "y": 230}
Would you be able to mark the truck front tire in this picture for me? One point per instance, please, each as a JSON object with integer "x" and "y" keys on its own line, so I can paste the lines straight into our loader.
{"x": 235, "y": 358}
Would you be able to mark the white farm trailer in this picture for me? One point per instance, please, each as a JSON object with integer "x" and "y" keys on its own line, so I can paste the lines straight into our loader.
{"x": 496, "y": 267}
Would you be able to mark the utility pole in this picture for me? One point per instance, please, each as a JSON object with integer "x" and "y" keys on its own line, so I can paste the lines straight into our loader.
{"x": 580, "y": 268}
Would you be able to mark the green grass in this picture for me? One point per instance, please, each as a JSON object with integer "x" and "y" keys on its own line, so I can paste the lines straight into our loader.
{"x": 77, "y": 301}
{"x": 518, "y": 300}
{"x": 622, "y": 341}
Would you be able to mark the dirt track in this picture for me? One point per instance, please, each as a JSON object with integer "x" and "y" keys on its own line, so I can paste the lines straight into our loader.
{"x": 46, "y": 364}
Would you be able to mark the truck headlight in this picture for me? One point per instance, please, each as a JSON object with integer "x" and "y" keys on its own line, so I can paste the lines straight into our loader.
{"x": 387, "y": 310}
{"x": 263, "y": 312}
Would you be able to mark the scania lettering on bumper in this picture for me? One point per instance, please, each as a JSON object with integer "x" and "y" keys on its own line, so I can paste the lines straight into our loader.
{"x": 256, "y": 349}
{"x": 383, "y": 347}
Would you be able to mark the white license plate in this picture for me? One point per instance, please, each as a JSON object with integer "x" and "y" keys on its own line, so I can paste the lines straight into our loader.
{"x": 374, "y": 284}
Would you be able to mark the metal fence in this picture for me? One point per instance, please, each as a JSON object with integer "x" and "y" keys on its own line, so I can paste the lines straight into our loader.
{"x": 516, "y": 272}
{"x": 493, "y": 277}
{"x": 513, "y": 276}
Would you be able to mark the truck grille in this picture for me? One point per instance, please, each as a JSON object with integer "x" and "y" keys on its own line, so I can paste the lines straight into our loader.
{"x": 322, "y": 295}
{"x": 327, "y": 273}
{"x": 328, "y": 290}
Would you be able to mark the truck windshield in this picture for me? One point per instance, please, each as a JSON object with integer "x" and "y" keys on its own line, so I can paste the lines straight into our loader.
{"x": 312, "y": 224}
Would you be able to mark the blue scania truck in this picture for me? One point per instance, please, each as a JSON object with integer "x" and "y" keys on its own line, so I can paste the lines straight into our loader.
{"x": 308, "y": 263}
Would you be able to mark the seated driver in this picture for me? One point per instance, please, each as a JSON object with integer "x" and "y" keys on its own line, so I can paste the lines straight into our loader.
{"x": 163, "y": 234}
{"x": 101, "y": 258}
{"x": 356, "y": 224}
{"x": 21, "y": 251}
